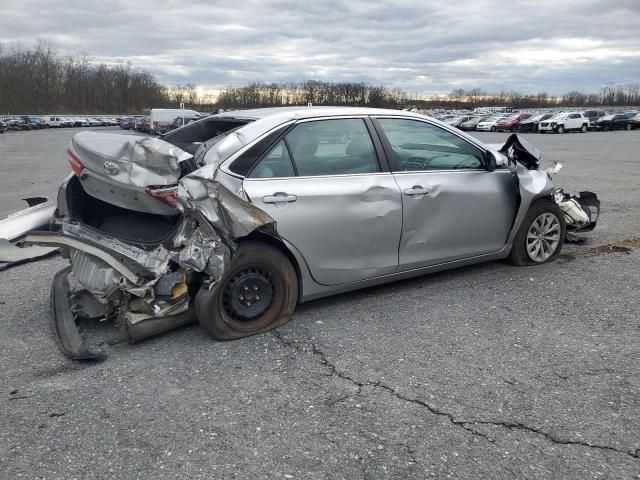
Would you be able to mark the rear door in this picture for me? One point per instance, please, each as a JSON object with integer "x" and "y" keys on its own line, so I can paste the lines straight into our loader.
{"x": 333, "y": 199}
{"x": 574, "y": 121}
{"x": 453, "y": 208}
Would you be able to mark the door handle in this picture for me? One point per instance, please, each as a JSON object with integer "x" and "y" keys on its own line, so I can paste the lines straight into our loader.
{"x": 279, "y": 197}
{"x": 417, "y": 190}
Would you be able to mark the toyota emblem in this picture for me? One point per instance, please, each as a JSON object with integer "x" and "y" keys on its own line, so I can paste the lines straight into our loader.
{"x": 111, "y": 168}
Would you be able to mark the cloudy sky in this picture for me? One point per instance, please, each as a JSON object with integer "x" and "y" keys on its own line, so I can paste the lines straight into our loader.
{"x": 420, "y": 46}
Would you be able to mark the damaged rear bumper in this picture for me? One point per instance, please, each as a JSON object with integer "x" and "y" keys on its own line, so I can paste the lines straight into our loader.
{"x": 110, "y": 280}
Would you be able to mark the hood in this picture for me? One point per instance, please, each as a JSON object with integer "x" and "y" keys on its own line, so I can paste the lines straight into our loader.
{"x": 519, "y": 151}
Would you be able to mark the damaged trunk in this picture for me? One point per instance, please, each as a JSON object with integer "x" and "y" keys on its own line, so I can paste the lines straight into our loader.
{"x": 139, "y": 249}
{"x": 129, "y": 225}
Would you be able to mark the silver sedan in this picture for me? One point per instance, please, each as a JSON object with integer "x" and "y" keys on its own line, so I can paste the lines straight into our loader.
{"x": 236, "y": 218}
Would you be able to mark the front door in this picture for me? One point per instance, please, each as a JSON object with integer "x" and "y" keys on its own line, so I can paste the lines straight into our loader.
{"x": 324, "y": 185}
{"x": 453, "y": 208}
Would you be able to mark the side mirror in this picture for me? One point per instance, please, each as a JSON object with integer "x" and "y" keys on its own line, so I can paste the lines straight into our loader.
{"x": 490, "y": 162}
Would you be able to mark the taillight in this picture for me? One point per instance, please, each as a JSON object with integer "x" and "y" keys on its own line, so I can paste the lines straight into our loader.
{"x": 76, "y": 165}
{"x": 166, "y": 195}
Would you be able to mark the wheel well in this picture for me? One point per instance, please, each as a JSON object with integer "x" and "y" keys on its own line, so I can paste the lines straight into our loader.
{"x": 270, "y": 239}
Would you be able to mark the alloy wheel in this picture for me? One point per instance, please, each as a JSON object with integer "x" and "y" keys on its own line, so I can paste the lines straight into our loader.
{"x": 543, "y": 237}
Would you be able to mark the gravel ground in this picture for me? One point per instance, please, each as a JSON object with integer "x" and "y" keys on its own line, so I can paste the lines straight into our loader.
{"x": 489, "y": 371}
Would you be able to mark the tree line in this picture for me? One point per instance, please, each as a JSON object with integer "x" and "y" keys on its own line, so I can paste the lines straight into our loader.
{"x": 40, "y": 80}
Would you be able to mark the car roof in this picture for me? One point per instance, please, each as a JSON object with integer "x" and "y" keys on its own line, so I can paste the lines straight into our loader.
{"x": 292, "y": 113}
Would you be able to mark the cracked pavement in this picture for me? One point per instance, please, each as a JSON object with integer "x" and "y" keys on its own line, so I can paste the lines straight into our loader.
{"x": 490, "y": 371}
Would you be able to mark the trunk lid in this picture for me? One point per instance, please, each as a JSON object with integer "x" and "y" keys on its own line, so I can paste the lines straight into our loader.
{"x": 128, "y": 170}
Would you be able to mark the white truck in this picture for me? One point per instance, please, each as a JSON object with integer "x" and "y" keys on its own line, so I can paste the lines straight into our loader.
{"x": 162, "y": 118}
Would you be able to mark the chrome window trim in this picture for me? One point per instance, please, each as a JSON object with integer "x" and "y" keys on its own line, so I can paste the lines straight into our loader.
{"x": 224, "y": 166}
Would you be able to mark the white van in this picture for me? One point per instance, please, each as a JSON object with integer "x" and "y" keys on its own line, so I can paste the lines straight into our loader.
{"x": 54, "y": 122}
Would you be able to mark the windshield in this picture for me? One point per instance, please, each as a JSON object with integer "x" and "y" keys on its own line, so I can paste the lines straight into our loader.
{"x": 608, "y": 117}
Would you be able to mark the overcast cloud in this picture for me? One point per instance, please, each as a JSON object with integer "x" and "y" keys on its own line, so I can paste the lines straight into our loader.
{"x": 421, "y": 46}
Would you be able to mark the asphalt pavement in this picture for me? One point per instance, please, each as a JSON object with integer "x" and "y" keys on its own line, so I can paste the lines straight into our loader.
{"x": 490, "y": 371}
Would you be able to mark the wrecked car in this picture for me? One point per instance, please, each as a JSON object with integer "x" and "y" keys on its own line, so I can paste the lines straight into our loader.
{"x": 236, "y": 218}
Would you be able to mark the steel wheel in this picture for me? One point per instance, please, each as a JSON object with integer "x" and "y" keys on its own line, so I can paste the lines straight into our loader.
{"x": 258, "y": 292}
{"x": 248, "y": 294}
{"x": 543, "y": 237}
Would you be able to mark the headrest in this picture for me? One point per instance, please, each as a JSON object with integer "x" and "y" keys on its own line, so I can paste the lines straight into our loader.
{"x": 306, "y": 147}
{"x": 359, "y": 146}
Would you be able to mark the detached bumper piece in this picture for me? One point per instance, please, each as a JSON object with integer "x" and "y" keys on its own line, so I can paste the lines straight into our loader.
{"x": 581, "y": 213}
{"x": 63, "y": 322}
{"x": 65, "y": 313}
{"x": 73, "y": 305}
{"x": 16, "y": 226}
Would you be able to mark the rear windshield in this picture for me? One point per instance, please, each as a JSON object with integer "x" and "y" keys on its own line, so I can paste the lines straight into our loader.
{"x": 191, "y": 136}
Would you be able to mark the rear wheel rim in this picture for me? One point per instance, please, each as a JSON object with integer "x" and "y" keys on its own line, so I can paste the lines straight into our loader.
{"x": 251, "y": 298}
{"x": 543, "y": 237}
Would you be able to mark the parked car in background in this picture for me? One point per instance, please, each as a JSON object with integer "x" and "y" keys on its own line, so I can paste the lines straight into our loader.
{"x": 593, "y": 115}
{"x": 137, "y": 123}
{"x": 489, "y": 124}
{"x": 614, "y": 121}
{"x": 125, "y": 123}
{"x": 161, "y": 118}
{"x": 18, "y": 124}
{"x": 512, "y": 122}
{"x": 531, "y": 124}
{"x": 446, "y": 117}
{"x": 182, "y": 121}
{"x": 457, "y": 121}
{"x": 33, "y": 122}
{"x": 565, "y": 122}
{"x": 3, "y": 127}
{"x": 472, "y": 123}
{"x": 635, "y": 121}
{"x": 67, "y": 122}
{"x": 80, "y": 122}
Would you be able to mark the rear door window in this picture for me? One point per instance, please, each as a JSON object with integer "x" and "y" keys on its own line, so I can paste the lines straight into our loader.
{"x": 332, "y": 147}
{"x": 276, "y": 164}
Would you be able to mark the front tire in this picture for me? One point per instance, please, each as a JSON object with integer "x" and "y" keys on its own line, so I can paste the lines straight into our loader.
{"x": 493, "y": 129}
{"x": 583, "y": 129}
{"x": 541, "y": 235}
{"x": 258, "y": 292}
{"x": 560, "y": 129}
